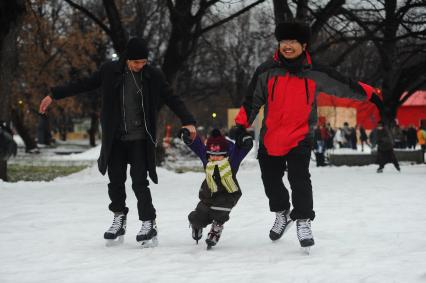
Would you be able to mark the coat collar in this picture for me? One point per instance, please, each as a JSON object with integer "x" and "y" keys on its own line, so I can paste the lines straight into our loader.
{"x": 119, "y": 69}
{"x": 308, "y": 60}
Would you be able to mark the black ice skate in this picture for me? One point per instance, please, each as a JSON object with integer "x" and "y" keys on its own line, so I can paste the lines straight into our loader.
{"x": 304, "y": 234}
{"x": 214, "y": 234}
{"x": 197, "y": 233}
{"x": 282, "y": 223}
{"x": 147, "y": 236}
{"x": 115, "y": 234}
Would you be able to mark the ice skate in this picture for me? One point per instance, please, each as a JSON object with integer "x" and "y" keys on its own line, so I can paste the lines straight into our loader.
{"x": 282, "y": 223}
{"x": 197, "y": 233}
{"x": 214, "y": 235}
{"x": 304, "y": 234}
{"x": 115, "y": 234}
{"x": 147, "y": 236}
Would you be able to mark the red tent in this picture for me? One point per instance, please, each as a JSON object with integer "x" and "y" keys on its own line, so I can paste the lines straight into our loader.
{"x": 411, "y": 112}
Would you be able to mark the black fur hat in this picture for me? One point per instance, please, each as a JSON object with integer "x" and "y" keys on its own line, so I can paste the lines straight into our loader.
{"x": 292, "y": 30}
{"x": 137, "y": 49}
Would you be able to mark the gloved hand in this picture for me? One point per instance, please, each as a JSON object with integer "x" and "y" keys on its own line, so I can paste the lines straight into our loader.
{"x": 243, "y": 139}
{"x": 185, "y": 135}
{"x": 246, "y": 142}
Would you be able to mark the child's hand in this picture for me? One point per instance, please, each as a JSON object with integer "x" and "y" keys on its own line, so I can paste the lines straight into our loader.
{"x": 245, "y": 142}
{"x": 243, "y": 139}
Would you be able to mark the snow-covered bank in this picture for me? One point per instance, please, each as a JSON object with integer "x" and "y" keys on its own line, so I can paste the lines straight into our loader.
{"x": 369, "y": 228}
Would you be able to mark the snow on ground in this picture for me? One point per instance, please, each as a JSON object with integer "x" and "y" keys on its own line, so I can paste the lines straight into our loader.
{"x": 369, "y": 228}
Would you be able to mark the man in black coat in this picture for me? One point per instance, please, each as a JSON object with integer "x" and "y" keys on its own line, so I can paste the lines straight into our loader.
{"x": 132, "y": 94}
{"x": 385, "y": 144}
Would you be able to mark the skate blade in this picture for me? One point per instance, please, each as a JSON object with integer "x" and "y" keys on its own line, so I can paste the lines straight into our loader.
{"x": 210, "y": 244}
{"x": 306, "y": 250}
{"x": 149, "y": 243}
{"x": 116, "y": 242}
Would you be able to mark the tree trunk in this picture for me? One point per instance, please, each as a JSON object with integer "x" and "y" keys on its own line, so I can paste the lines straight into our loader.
{"x": 11, "y": 13}
{"x": 282, "y": 11}
{"x": 94, "y": 124}
{"x": 3, "y": 170}
{"x": 23, "y": 131}
{"x": 120, "y": 36}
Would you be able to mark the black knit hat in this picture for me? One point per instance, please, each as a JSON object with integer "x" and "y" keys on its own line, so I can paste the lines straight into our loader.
{"x": 137, "y": 49}
{"x": 292, "y": 30}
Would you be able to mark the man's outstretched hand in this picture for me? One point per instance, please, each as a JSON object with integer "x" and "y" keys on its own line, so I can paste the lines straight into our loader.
{"x": 187, "y": 134}
{"x": 44, "y": 104}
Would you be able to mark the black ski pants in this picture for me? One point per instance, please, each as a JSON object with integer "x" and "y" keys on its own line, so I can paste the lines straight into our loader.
{"x": 387, "y": 156}
{"x": 297, "y": 164}
{"x": 133, "y": 153}
{"x": 218, "y": 209}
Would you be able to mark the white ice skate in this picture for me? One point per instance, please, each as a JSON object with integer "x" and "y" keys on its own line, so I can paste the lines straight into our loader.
{"x": 115, "y": 234}
{"x": 147, "y": 236}
{"x": 304, "y": 234}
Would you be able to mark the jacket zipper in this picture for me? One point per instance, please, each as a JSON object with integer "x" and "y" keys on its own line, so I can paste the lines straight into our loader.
{"x": 143, "y": 110}
{"x": 273, "y": 88}
{"x": 307, "y": 91}
{"x": 124, "y": 109}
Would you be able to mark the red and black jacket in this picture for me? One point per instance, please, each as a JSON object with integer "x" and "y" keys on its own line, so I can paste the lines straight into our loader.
{"x": 289, "y": 100}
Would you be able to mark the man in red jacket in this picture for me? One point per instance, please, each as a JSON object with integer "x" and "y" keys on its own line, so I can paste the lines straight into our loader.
{"x": 287, "y": 86}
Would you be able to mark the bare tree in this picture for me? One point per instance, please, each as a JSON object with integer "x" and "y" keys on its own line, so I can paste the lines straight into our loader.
{"x": 115, "y": 30}
{"x": 398, "y": 33}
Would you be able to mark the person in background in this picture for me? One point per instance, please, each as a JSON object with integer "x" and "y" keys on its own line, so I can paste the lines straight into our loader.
{"x": 339, "y": 138}
{"x": 353, "y": 138}
{"x": 385, "y": 144}
{"x": 347, "y": 134}
{"x": 319, "y": 145}
{"x": 398, "y": 136}
{"x": 421, "y": 137}
{"x": 411, "y": 137}
{"x": 363, "y": 138}
{"x": 329, "y": 142}
{"x": 372, "y": 137}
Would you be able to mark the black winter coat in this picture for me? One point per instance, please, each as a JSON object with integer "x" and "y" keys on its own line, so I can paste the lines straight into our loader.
{"x": 109, "y": 80}
{"x": 384, "y": 139}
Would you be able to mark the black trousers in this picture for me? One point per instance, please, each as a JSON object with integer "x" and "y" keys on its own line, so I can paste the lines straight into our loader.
{"x": 387, "y": 156}
{"x": 297, "y": 164}
{"x": 133, "y": 153}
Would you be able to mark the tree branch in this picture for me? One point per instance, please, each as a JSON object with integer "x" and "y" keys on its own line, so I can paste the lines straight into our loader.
{"x": 90, "y": 15}
{"x": 324, "y": 15}
{"x": 221, "y": 22}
